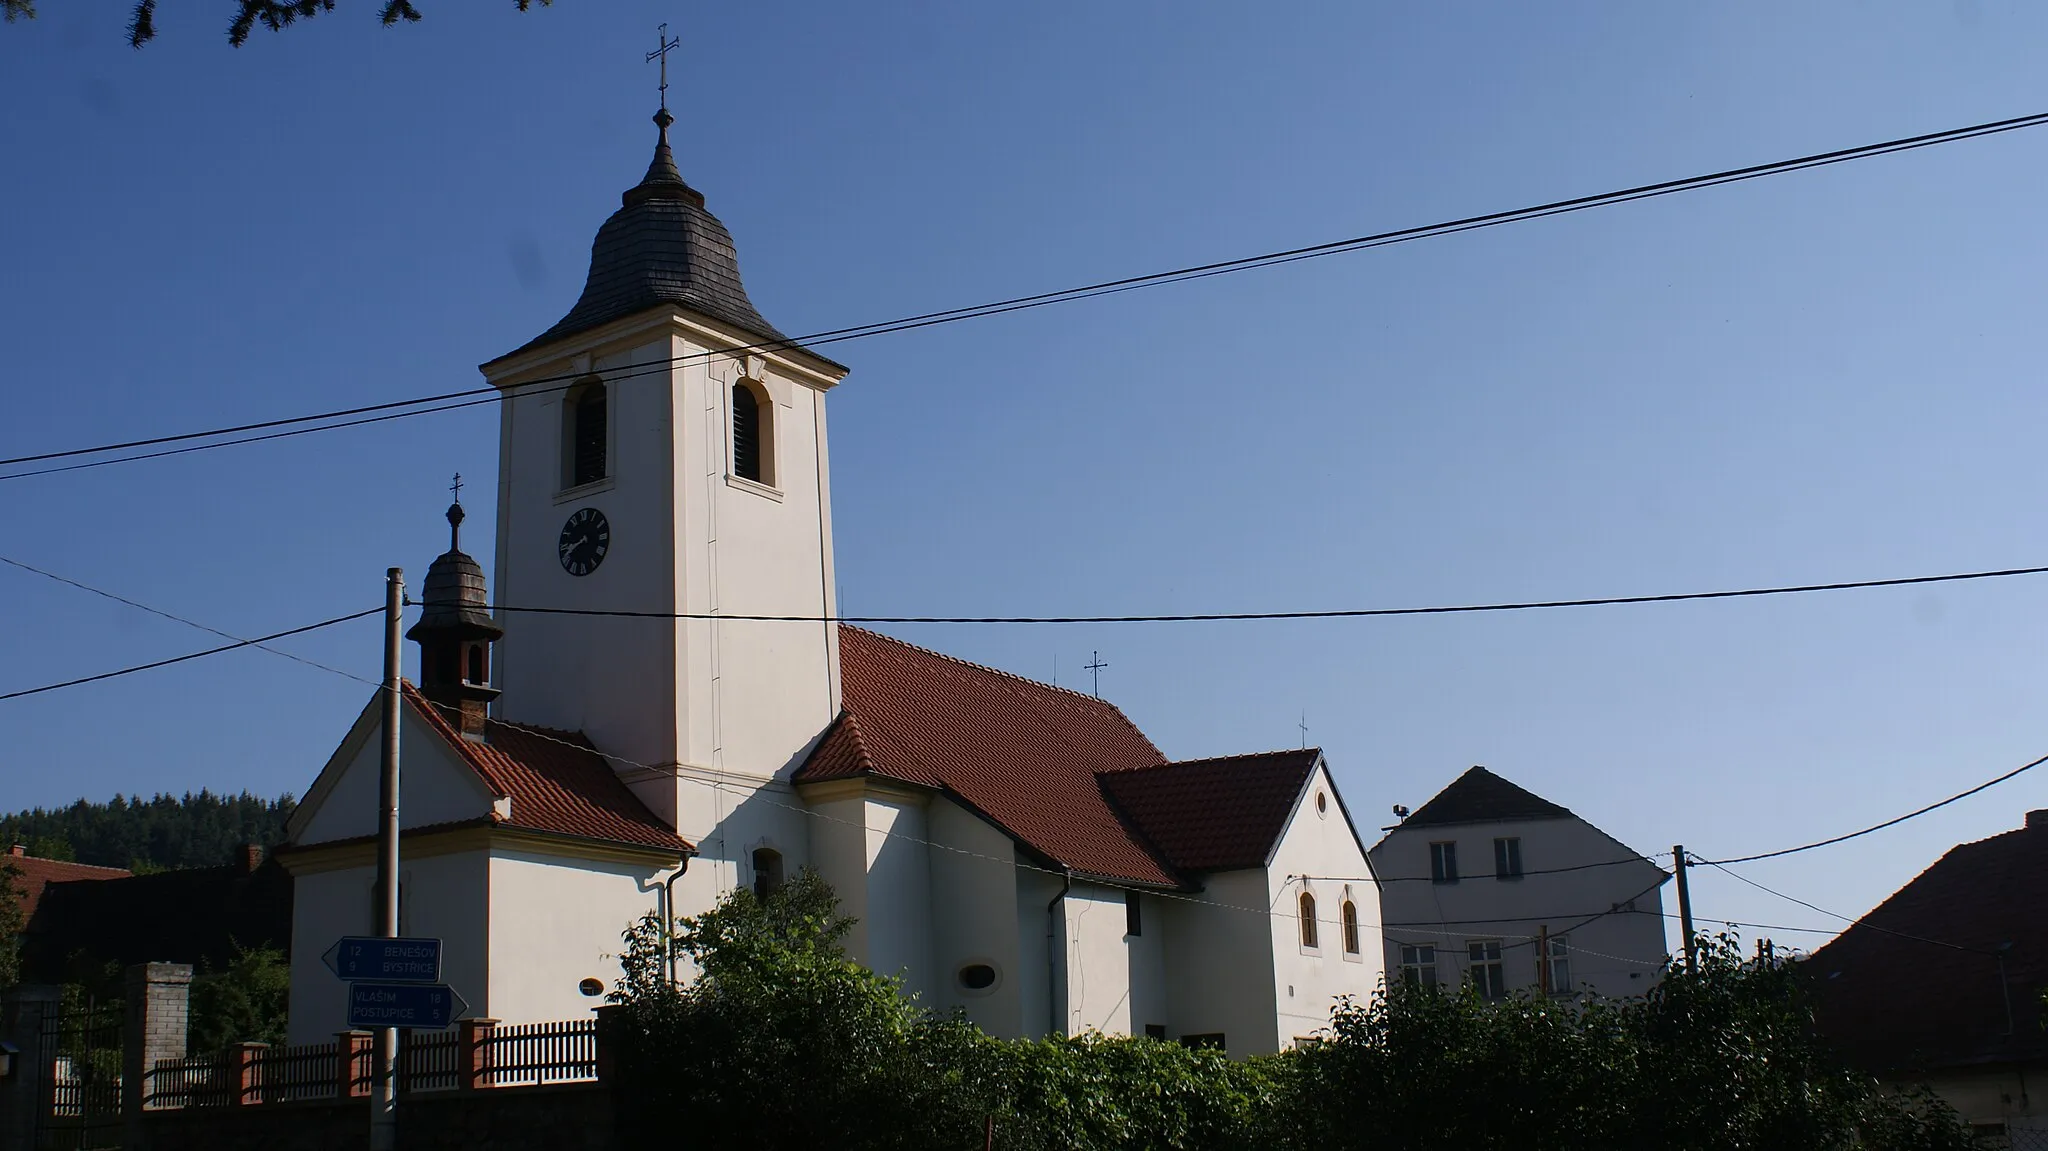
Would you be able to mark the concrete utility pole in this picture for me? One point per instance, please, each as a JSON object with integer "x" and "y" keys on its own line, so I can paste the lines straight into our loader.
{"x": 384, "y": 1093}
{"x": 1684, "y": 906}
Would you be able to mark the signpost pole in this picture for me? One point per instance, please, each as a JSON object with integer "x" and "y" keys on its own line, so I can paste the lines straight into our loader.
{"x": 384, "y": 1092}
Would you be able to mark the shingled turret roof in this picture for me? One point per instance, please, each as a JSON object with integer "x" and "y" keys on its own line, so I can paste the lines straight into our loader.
{"x": 662, "y": 247}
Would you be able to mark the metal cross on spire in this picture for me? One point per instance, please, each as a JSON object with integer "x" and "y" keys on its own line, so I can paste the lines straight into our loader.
{"x": 1303, "y": 725}
{"x": 456, "y": 487}
{"x": 1095, "y": 666}
{"x": 661, "y": 54}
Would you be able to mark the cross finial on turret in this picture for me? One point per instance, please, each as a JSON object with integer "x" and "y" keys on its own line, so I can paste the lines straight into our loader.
{"x": 455, "y": 515}
{"x": 661, "y": 53}
{"x": 456, "y": 487}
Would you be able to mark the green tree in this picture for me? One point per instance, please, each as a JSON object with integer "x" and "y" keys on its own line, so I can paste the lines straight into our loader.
{"x": 12, "y": 920}
{"x": 244, "y": 1001}
{"x": 275, "y": 15}
{"x": 197, "y": 829}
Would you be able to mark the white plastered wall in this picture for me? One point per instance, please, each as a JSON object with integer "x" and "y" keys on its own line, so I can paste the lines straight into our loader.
{"x": 555, "y": 922}
{"x": 435, "y": 786}
{"x": 1615, "y": 955}
{"x": 975, "y": 920}
{"x": 1319, "y": 853}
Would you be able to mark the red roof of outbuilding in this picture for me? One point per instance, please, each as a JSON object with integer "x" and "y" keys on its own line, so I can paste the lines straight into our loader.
{"x": 1214, "y": 814}
{"x": 556, "y": 780}
{"x": 37, "y": 874}
{"x": 1917, "y": 983}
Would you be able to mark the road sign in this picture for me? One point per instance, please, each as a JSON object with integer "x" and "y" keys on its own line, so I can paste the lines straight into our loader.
{"x": 391, "y": 960}
{"x": 427, "y": 1005}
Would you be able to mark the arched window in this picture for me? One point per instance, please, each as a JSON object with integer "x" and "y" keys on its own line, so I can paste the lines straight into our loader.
{"x": 476, "y": 663}
{"x": 753, "y": 444}
{"x": 585, "y": 449}
{"x": 1308, "y": 920}
{"x": 767, "y": 872}
{"x": 1350, "y": 915}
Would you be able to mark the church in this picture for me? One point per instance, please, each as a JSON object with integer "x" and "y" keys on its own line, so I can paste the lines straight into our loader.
{"x": 647, "y": 706}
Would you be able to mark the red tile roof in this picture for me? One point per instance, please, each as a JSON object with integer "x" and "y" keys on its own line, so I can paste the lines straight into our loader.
{"x": 37, "y": 874}
{"x": 556, "y": 780}
{"x": 1214, "y": 814}
{"x": 1068, "y": 776}
{"x": 1894, "y": 1003}
{"x": 1023, "y": 754}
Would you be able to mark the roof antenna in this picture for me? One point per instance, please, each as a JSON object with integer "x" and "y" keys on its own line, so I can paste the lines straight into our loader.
{"x": 1095, "y": 666}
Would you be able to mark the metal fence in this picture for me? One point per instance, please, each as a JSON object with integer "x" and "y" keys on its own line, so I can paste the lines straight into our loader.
{"x": 81, "y": 1047}
{"x": 474, "y": 1055}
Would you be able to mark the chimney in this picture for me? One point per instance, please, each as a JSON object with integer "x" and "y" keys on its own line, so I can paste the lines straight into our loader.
{"x": 19, "y": 850}
{"x": 250, "y": 857}
{"x": 2037, "y": 819}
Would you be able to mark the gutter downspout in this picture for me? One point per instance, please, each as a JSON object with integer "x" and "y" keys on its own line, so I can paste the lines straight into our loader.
{"x": 1055, "y": 952}
{"x": 668, "y": 920}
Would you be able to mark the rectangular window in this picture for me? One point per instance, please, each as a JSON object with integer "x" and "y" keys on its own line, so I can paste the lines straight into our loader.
{"x": 1418, "y": 964}
{"x": 1134, "y": 923}
{"x": 1507, "y": 858}
{"x": 1486, "y": 971}
{"x": 1155, "y": 1031}
{"x": 1560, "y": 965}
{"x": 1443, "y": 862}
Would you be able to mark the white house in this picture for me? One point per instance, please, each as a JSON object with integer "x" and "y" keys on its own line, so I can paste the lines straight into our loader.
{"x": 654, "y": 706}
{"x": 1491, "y": 884}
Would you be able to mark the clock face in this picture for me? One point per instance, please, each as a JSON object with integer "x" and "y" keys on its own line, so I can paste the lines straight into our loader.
{"x": 585, "y": 539}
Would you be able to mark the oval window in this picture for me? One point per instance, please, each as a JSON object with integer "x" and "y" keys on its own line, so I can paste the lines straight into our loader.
{"x": 977, "y": 977}
{"x": 1322, "y": 803}
{"x": 591, "y": 987}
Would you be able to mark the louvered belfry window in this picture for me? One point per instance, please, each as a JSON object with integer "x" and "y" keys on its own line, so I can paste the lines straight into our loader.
{"x": 587, "y": 445}
{"x": 746, "y": 433}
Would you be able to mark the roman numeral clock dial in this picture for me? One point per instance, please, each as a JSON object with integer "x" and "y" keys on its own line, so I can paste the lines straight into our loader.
{"x": 585, "y": 539}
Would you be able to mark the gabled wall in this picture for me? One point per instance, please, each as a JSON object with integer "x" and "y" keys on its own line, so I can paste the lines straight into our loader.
{"x": 435, "y": 785}
{"x": 1615, "y": 954}
{"x": 1319, "y": 853}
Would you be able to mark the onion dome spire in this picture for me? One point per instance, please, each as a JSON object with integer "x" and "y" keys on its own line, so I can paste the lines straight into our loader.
{"x": 455, "y": 632}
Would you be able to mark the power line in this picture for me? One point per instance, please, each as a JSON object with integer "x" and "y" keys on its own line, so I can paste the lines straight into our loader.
{"x": 1213, "y": 617}
{"x": 1848, "y": 919}
{"x": 120, "y": 599}
{"x": 1089, "y": 291}
{"x": 259, "y": 641}
{"x": 1651, "y": 860}
{"x": 1989, "y": 783}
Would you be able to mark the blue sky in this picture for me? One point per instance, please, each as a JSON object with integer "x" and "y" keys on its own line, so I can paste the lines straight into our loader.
{"x": 1824, "y": 376}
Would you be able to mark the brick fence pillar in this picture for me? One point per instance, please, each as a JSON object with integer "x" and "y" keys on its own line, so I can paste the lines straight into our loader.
{"x": 245, "y": 1073}
{"x": 22, "y": 1012}
{"x": 352, "y": 1063}
{"x": 609, "y": 1017}
{"x": 155, "y": 1012}
{"x": 478, "y": 1057}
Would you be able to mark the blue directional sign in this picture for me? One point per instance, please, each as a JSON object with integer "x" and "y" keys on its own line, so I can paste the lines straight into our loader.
{"x": 391, "y": 960}
{"x": 426, "y": 1005}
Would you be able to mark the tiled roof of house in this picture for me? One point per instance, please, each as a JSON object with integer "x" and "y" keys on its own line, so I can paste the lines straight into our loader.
{"x": 191, "y": 915}
{"x": 1214, "y": 814}
{"x": 1023, "y": 754}
{"x": 1916, "y": 984}
{"x": 556, "y": 780}
{"x": 1068, "y": 776}
{"x": 37, "y": 874}
{"x": 1479, "y": 796}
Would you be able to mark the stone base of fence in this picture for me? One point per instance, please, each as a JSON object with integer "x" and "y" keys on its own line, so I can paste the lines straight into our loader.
{"x": 563, "y": 1117}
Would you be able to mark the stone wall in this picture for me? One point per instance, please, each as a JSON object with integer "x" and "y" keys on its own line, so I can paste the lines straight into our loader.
{"x": 569, "y": 1117}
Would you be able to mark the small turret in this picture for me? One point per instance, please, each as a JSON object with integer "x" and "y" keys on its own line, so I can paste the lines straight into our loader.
{"x": 455, "y": 633}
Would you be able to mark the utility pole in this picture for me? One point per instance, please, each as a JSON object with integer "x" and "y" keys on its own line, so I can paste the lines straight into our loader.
{"x": 384, "y": 1092}
{"x": 1684, "y": 906}
{"x": 1543, "y": 959}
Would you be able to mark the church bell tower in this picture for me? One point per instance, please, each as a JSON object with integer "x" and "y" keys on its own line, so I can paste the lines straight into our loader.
{"x": 662, "y": 468}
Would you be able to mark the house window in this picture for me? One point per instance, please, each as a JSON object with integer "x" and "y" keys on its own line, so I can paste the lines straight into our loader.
{"x": 1485, "y": 968}
{"x": 1418, "y": 964}
{"x": 1558, "y": 961}
{"x": 977, "y": 977}
{"x": 584, "y": 435}
{"x": 752, "y": 445}
{"x": 1308, "y": 920}
{"x": 1443, "y": 862}
{"x": 1350, "y": 917}
{"x": 767, "y": 872}
{"x": 1134, "y": 923}
{"x": 1507, "y": 858}
{"x": 1155, "y": 1031}
{"x": 476, "y": 663}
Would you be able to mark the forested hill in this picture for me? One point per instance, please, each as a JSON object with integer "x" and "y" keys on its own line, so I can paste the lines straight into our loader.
{"x": 201, "y": 830}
